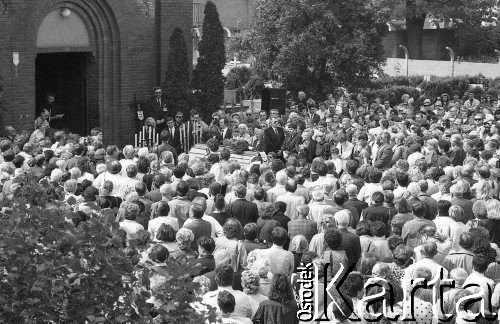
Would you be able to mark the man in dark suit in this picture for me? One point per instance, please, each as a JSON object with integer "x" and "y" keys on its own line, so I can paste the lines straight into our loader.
{"x": 376, "y": 212}
{"x": 165, "y": 146}
{"x": 350, "y": 241}
{"x": 353, "y": 201}
{"x": 156, "y": 108}
{"x": 175, "y": 135}
{"x": 273, "y": 137}
{"x": 383, "y": 159}
{"x": 225, "y": 131}
{"x": 242, "y": 209}
{"x": 456, "y": 153}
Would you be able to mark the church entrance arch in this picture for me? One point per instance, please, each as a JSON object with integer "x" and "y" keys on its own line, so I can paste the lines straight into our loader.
{"x": 78, "y": 60}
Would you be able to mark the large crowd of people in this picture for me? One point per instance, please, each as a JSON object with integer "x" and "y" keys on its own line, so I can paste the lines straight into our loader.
{"x": 399, "y": 191}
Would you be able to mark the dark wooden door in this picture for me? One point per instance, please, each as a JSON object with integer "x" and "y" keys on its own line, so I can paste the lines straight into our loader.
{"x": 65, "y": 75}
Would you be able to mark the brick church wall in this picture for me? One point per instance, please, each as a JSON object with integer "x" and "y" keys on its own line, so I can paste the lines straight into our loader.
{"x": 144, "y": 28}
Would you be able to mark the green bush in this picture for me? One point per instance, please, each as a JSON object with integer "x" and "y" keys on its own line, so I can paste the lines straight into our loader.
{"x": 393, "y": 93}
{"x": 54, "y": 272}
{"x": 437, "y": 86}
{"x": 386, "y": 82}
{"x": 392, "y": 88}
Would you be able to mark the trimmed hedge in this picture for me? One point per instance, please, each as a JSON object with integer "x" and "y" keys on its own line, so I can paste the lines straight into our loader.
{"x": 392, "y": 88}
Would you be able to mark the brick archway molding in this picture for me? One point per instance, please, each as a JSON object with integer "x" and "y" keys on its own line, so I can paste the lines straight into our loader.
{"x": 105, "y": 45}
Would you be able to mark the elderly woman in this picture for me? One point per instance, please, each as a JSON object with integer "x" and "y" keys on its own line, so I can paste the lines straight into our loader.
{"x": 281, "y": 306}
{"x": 258, "y": 262}
{"x": 493, "y": 212}
{"x": 70, "y": 198}
{"x": 41, "y": 129}
{"x": 402, "y": 258}
{"x": 231, "y": 241}
{"x": 479, "y": 209}
{"x": 243, "y": 134}
{"x": 184, "y": 239}
{"x": 456, "y": 226}
{"x": 250, "y": 282}
{"x": 128, "y": 213}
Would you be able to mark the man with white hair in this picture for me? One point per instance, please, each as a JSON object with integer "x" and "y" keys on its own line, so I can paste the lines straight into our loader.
{"x": 301, "y": 225}
{"x": 279, "y": 189}
{"x": 351, "y": 243}
{"x": 291, "y": 199}
{"x": 128, "y": 153}
{"x": 317, "y": 207}
{"x": 353, "y": 201}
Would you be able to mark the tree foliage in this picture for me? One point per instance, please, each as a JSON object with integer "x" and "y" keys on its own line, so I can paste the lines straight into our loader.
{"x": 241, "y": 46}
{"x": 463, "y": 13}
{"x": 208, "y": 81}
{"x": 54, "y": 272}
{"x": 177, "y": 77}
{"x": 317, "y": 45}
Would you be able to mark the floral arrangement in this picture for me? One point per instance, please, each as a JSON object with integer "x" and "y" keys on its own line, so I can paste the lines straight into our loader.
{"x": 236, "y": 146}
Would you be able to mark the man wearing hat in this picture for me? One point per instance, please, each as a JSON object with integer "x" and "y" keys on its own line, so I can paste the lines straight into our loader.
{"x": 157, "y": 108}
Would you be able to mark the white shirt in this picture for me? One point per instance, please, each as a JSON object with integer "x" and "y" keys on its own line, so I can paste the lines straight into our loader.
{"x": 292, "y": 201}
{"x": 242, "y": 308}
{"x": 366, "y": 192}
{"x": 155, "y": 224}
{"x": 131, "y": 227}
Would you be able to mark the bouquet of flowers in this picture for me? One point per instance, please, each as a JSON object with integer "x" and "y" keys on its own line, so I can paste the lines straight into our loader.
{"x": 236, "y": 146}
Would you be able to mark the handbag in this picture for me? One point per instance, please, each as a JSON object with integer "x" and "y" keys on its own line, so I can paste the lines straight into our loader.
{"x": 235, "y": 260}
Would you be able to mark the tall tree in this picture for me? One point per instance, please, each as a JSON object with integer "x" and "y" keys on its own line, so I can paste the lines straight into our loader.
{"x": 317, "y": 45}
{"x": 463, "y": 13}
{"x": 208, "y": 81}
{"x": 177, "y": 78}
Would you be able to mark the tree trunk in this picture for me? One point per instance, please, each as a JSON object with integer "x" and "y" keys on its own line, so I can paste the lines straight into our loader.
{"x": 414, "y": 32}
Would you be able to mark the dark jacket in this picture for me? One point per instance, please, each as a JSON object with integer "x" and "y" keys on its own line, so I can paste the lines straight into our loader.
{"x": 456, "y": 155}
{"x": 202, "y": 265}
{"x": 243, "y": 210}
{"x": 167, "y": 147}
{"x": 291, "y": 143}
{"x": 466, "y": 206}
{"x": 376, "y": 213}
{"x": 351, "y": 245}
{"x": 228, "y": 135}
{"x": 273, "y": 140}
{"x": 356, "y": 203}
{"x": 383, "y": 159}
{"x": 155, "y": 109}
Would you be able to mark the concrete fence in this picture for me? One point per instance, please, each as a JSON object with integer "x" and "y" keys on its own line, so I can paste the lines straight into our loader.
{"x": 397, "y": 67}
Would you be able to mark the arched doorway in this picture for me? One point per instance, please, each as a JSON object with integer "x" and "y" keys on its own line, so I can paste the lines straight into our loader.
{"x": 78, "y": 59}
{"x": 61, "y": 68}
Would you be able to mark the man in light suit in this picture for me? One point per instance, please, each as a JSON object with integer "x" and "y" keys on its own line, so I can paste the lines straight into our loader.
{"x": 274, "y": 136}
{"x": 383, "y": 159}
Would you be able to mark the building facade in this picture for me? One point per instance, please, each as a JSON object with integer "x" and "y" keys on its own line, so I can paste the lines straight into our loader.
{"x": 93, "y": 54}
